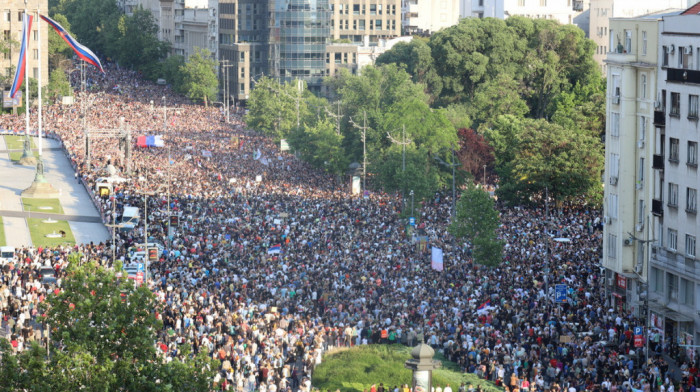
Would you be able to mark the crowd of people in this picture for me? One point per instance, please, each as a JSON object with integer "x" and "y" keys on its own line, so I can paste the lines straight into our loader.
{"x": 272, "y": 263}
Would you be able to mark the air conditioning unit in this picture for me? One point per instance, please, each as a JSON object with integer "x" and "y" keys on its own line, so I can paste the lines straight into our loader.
{"x": 613, "y": 180}
{"x": 640, "y": 143}
{"x": 628, "y": 241}
{"x": 672, "y": 49}
{"x": 657, "y": 105}
{"x": 688, "y": 50}
{"x": 639, "y": 227}
{"x": 616, "y": 99}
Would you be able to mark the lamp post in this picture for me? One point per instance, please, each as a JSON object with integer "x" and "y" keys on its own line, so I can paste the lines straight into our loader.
{"x": 484, "y": 181}
{"x": 145, "y": 227}
{"x": 452, "y": 165}
{"x": 411, "y": 193}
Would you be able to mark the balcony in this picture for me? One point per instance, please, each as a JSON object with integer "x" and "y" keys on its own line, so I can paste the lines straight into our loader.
{"x": 659, "y": 118}
{"x": 658, "y": 162}
{"x": 657, "y": 207}
{"x": 680, "y": 75}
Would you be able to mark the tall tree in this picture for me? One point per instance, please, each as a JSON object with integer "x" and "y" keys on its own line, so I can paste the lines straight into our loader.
{"x": 199, "y": 81}
{"x": 272, "y": 107}
{"x": 474, "y": 153}
{"x": 476, "y": 222}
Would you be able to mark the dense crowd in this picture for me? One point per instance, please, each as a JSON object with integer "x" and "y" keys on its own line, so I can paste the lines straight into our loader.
{"x": 347, "y": 272}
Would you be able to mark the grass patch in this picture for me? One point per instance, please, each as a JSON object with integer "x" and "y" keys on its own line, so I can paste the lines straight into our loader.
{"x": 17, "y": 143}
{"x": 39, "y": 229}
{"x": 356, "y": 369}
{"x": 33, "y": 205}
{"x": 2, "y": 233}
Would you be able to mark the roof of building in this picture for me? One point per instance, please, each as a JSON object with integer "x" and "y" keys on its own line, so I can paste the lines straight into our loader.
{"x": 694, "y": 10}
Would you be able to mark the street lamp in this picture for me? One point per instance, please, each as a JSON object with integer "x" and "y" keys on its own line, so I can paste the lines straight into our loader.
{"x": 145, "y": 225}
{"x": 411, "y": 201}
{"x": 453, "y": 165}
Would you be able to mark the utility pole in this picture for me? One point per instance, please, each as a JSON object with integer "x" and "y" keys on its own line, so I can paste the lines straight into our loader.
{"x": 363, "y": 129}
{"x": 452, "y": 165}
{"x": 403, "y": 143}
{"x": 225, "y": 66}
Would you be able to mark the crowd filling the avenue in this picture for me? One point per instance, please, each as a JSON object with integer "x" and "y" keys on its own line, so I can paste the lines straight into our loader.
{"x": 273, "y": 263}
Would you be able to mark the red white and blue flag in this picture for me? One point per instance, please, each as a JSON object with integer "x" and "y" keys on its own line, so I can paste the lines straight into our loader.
{"x": 82, "y": 51}
{"x": 484, "y": 305}
{"x": 275, "y": 249}
{"x": 21, "y": 64}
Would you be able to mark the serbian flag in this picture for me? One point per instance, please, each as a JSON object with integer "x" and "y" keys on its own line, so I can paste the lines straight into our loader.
{"x": 484, "y": 305}
{"x": 275, "y": 249}
{"x": 82, "y": 51}
{"x": 19, "y": 72}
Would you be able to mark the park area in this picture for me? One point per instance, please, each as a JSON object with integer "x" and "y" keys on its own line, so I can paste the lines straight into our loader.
{"x": 17, "y": 143}
{"x": 356, "y": 369}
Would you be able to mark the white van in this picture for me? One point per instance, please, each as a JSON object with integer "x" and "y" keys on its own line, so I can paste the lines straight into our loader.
{"x": 7, "y": 254}
{"x": 130, "y": 218}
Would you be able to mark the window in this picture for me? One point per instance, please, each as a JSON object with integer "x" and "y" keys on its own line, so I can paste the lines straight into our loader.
{"x": 614, "y": 168}
{"x": 672, "y": 239}
{"x": 644, "y": 43}
{"x": 612, "y": 40}
{"x": 640, "y": 173}
{"x": 616, "y": 88}
{"x": 7, "y": 16}
{"x": 672, "y": 194}
{"x": 664, "y": 60}
{"x": 35, "y": 54}
{"x": 543, "y": 3}
{"x": 612, "y": 206}
{"x": 684, "y": 58}
{"x": 35, "y": 73}
{"x": 628, "y": 41}
{"x": 6, "y": 34}
{"x": 692, "y": 153}
{"x": 521, "y": 3}
{"x": 640, "y": 212}
{"x": 642, "y": 128}
{"x": 242, "y": 89}
{"x": 673, "y": 150}
{"x": 615, "y": 124}
{"x": 675, "y": 104}
{"x": 693, "y": 106}
{"x": 690, "y": 245}
{"x": 656, "y": 279}
{"x": 680, "y": 56}
{"x": 19, "y": 16}
{"x": 644, "y": 86}
{"x": 378, "y": 24}
{"x": 612, "y": 246}
{"x": 671, "y": 286}
{"x": 687, "y": 292}
{"x": 691, "y": 200}
{"x": 356, "y": 9}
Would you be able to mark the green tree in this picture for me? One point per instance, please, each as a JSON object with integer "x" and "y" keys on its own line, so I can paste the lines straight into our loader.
{"x": 476, "y": 222}
{"x": 272, "y": 107}
{"x": 496, "y": 97}
{"x": 58, "y": 85}
{"x": 103, "y": 331}
{"x": 321, "y": 145}
{"x": 89, "y": 20}
{"x": 199, "y": 81}
{"x": 170, "y": 71}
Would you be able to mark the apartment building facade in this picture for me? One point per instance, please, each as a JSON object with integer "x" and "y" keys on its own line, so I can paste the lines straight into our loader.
{"x": 629, "y": 148}
{"x": 357, "y": 20}
{"x": 11, "y": 13}
{"x": 428, "y": 16}
{"x": 675, "y": 268}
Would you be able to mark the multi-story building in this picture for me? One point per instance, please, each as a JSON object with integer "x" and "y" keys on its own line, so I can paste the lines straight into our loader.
{"x": 353, "y": 20}
{"x": 428, "y": 16}
{"x": 629, "y": 149}
{"x": 481, "y": 9}
{"x": 675, "y": 267}
{"x": 563, "y": 11}
{"x": 601, "y": 11}
{"x": 11, "y": 26}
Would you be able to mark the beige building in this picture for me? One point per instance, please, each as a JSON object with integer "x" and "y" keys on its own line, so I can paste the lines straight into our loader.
{"x": 601, "y": 11}
{"x": 630, "y": 182}
{"x": 354, "y": 20}
{"x": 428, "y": 16}
{"x": 11, "y": 26}
{"x": 563, "y": 11}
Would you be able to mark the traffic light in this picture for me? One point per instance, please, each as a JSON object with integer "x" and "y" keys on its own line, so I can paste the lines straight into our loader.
{"x": 174, "y": 221}
{"x": 153, "y": 254}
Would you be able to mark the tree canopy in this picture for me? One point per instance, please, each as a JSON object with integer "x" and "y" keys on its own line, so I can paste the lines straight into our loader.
{"x": 476, "y": 222}
{"x": 103, "y": 331}
{"x": 199, "y": 81}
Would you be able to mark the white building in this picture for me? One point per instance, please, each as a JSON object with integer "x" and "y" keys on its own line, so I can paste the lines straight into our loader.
{"x": 629, "y": 148}
{"x": 602, "y": 10}
{"x": 675, "y": 267}
{"x": 428, "y": 16}
{"x": 481, "y": 9}
{"x": 564, "y": 11}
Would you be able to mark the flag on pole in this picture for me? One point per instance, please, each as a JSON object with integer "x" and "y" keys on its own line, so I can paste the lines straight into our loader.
{"x": 484, "y": 305}
{"x": 82, "y": 51}
{"x": 19, "y": 72}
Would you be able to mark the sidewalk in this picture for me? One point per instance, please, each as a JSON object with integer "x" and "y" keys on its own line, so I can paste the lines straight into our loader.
{"x": 72, "y": 195}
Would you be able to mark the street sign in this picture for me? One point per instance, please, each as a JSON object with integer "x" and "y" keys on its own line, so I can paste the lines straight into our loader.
{"x": 139, "y": 267}
{"x": 560, "y": 294}
{"x": 412, "y": 221}
{"x": 638, "y": 331}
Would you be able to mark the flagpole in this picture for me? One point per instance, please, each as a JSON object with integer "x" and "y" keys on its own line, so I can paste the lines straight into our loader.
{"x": 38, "y": 45}
{"x": 26, "y": 74}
